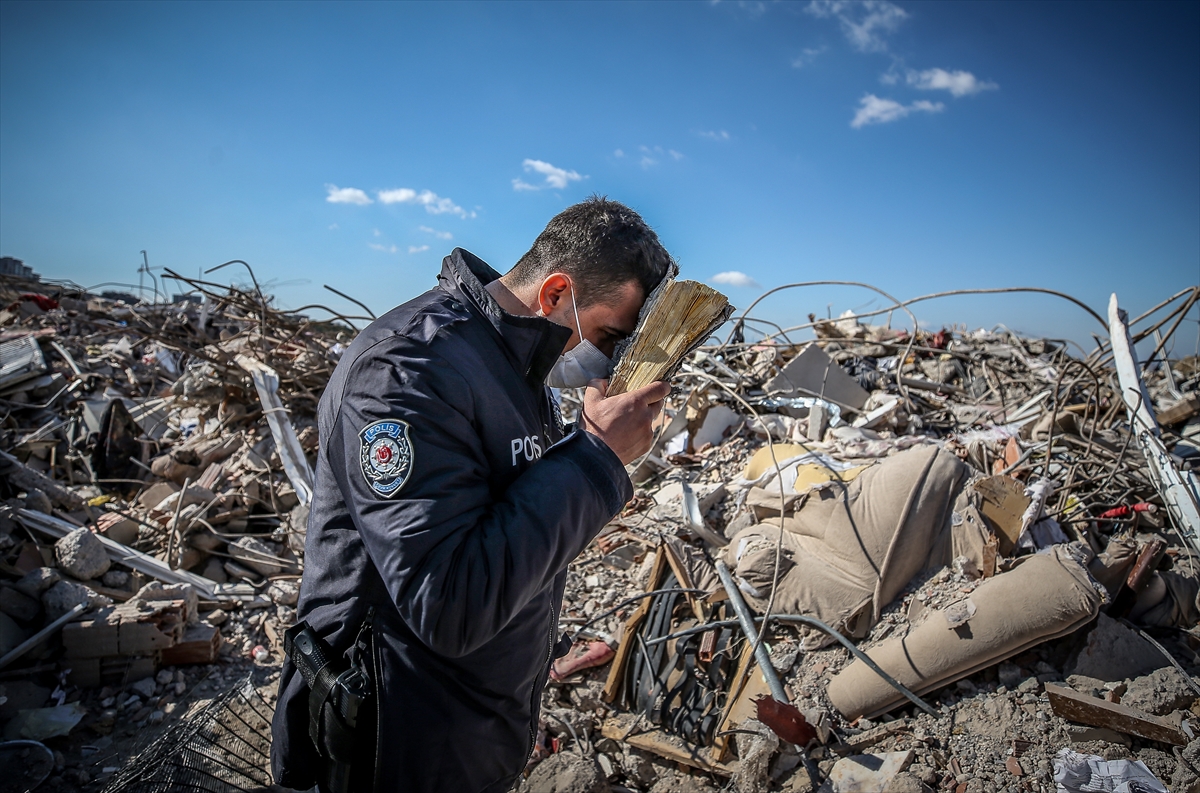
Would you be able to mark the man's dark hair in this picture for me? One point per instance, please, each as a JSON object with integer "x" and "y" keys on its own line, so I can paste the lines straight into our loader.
{"x": 602, "y": 245}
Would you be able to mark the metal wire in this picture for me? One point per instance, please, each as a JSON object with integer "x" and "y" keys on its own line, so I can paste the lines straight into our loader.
{"x": 225, "y": 747}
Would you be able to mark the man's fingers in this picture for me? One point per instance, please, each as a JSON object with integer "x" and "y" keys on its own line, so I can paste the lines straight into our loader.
{"x": 599, "y": 386}
{"x": 655, "y": 392}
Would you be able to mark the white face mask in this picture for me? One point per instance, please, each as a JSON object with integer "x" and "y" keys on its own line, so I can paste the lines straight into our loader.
{"x": 582, "y": 363}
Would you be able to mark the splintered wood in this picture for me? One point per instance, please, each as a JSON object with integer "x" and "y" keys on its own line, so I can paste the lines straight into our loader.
{"x": 680, "y": 316}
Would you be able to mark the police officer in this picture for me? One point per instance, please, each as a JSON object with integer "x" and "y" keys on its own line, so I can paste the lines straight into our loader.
{"x": 450, "y": 499}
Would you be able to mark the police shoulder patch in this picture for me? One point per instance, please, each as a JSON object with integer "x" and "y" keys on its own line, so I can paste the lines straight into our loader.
{"x": 386, "y": 455}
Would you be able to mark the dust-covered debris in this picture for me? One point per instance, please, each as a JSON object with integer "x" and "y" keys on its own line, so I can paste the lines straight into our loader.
{"x": 142, "y": 444}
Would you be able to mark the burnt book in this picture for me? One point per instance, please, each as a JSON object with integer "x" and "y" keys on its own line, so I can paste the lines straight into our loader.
{"x": 677, "y": 318}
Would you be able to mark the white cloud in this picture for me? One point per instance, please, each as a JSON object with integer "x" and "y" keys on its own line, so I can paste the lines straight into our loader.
{"x": 958, "y": 83}
{"x": 333, "y": 227}
{"x": 865, "y": 22}
{"x": 385, "y": 248}
{"x": 433, "y": 203}
{"x": 653, "y": 155}
{"x": 806, "y": 56}
{"x": 874, "y": 110}
{"x": 401, "y": 195}
{"x": 347, "y": 195}
{"x": 441, "y": 235}
{"x": 417, "y": 248}
{"x": 378, "y": 233}
{"x": 734, "y": 278}
{"x": 556, "y": 178}
{"x": 718, "y": 135}
{"x": 618, "y": 153}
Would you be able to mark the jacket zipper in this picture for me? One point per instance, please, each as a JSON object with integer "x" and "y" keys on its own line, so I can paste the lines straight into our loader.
{"x": 536, "y": 693}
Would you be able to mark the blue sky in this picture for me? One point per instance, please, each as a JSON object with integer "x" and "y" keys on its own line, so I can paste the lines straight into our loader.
{"x": 914, "y": 146}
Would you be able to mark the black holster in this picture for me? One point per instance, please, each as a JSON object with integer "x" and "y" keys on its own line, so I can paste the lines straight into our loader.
{"x": 340, "y": 699}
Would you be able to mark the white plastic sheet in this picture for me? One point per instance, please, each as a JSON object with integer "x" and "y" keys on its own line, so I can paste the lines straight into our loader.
{"x": 1087, "y": 773}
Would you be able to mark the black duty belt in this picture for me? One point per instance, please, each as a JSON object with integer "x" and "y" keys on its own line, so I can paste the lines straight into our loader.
{"x": 337, "y": 693}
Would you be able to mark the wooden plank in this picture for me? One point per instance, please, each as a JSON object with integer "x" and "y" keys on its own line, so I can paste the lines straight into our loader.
{"x": 616, "y": 671}
{"x": 740, "y": 707}
{"x": 1073, "y": 706}
{"x": 664, "y": 745}
{"x": 1180, "y": 411}
{"x": 685, "y": 582}
{"x": 664, "y": 557}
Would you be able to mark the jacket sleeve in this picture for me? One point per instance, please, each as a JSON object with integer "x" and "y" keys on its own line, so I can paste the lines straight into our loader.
{"x": 458, "y": 559}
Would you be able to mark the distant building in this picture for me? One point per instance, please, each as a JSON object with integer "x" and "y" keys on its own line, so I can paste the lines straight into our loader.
{"x": 123, "y": 296}
{"x": 10, "y": 265}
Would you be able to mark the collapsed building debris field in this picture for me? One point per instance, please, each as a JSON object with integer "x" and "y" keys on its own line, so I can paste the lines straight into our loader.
{"x": 968, "y": 558}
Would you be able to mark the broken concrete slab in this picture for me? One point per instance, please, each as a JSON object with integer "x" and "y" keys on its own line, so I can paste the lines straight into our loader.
{"x": 1114, "y": 652}
{"x": 866, "y": 773}
{"x": 813, "y": 373}
{"x": 157, "y": 590}
{"x": 1160, "y": 692}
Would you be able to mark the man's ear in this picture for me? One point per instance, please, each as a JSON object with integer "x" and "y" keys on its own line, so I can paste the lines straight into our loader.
{"x": 555, "y": 289}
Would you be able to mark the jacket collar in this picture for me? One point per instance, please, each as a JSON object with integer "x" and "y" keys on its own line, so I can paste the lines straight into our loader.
{"x": 533, "y": 343}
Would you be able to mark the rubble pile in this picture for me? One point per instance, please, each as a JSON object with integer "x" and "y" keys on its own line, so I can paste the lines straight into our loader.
{"x": 155, "y": 458}
{"x": 1064, "y": 566}
{"x": 968, "y": 558}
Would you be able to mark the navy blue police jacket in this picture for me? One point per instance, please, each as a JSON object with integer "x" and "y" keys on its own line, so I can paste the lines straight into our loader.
{"x": 446, "y": 497}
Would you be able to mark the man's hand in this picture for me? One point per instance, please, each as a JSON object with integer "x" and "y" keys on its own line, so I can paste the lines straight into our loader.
{"x": 624, "y": 421}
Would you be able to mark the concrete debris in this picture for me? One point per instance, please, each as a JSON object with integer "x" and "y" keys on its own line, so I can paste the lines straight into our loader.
{"x": 562, "y": 773}
{"x": 1114, "y": 652}
{"x": 1160, "y": 693}
{"x": 35, "y": 582}
{"x": 256, "y": 554}
{"x": 65, "y": 595}
{"x": 973, "y": 510}
{"x": 756, "y": 745}
{"x": 866, "y": 772}
{"x": 81, "y": 555}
